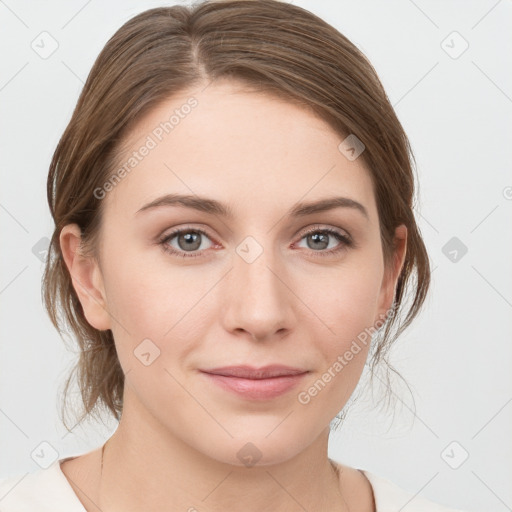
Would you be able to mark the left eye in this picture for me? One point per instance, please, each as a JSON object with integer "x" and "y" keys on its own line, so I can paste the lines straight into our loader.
{"x": 319, "y": 240}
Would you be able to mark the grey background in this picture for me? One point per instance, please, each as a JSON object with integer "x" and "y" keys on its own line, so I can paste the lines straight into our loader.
{"x": 455, "y": 107}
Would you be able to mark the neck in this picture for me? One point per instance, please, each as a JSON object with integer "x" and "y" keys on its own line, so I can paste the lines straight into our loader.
{"x": 145, "y": 468}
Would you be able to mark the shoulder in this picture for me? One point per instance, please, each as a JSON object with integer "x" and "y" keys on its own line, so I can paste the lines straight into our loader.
{"x": 389, "y": 497}
{"x": 44, "y": 490}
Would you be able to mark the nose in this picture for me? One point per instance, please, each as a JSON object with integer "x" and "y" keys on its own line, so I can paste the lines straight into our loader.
{"x": 258, "y": 299}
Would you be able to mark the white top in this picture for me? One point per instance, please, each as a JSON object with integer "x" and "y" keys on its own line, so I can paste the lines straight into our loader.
{"x": 48, "y": 490}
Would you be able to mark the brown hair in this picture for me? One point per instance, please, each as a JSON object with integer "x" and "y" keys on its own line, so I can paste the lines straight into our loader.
{"x": 270, "y": 45}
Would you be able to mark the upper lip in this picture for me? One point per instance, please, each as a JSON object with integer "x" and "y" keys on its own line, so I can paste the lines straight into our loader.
{"x": 249, "y": 372}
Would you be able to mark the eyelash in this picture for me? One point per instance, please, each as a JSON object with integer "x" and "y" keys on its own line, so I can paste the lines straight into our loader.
{"x": 346, "y": 242}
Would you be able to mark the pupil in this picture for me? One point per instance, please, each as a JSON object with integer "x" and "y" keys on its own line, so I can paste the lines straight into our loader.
{"x": 191, "y": 239}
{"x": 316, "y": 238}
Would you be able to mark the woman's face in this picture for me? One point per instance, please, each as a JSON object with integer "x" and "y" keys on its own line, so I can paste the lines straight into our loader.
{"x": 263, "y": 285}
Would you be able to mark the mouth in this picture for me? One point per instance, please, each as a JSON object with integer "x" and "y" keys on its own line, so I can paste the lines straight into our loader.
{"x": 249, "y": 372}
{"x": 251, "y": 383}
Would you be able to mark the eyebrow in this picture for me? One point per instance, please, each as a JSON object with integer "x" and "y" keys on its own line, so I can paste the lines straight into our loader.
{"x": 214, "y": 207}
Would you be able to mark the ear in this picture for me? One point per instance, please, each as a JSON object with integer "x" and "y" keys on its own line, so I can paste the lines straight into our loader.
{"x": 86, "y": 277}
{"x": 392, "y": 273}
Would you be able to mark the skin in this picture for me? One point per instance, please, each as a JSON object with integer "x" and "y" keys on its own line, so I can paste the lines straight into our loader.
{"x": 177, "y": 442}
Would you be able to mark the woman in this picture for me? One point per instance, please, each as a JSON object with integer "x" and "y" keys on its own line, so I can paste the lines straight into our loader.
{"x": 233, "y": 231}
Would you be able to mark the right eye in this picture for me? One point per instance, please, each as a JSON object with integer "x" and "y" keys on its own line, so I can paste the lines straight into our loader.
{"x": 189, "y": 240}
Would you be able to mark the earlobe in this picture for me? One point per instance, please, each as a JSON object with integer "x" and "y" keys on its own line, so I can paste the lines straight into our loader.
{"x": 391, "y": 275}
{"x": 86, "y": 278}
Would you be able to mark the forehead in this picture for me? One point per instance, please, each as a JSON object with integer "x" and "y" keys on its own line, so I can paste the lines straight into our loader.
{"x": 250, "y": 150}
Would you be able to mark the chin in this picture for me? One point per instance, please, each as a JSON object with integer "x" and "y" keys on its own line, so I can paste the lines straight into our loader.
{"x": 257, "y": 447}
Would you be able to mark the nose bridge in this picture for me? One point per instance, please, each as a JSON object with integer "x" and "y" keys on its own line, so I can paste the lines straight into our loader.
{"x": 259, "y": 300}
{"x": 255, "y": 268}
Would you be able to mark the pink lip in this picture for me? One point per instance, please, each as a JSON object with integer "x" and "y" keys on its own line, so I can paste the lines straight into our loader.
{"x": 256, "y": 383}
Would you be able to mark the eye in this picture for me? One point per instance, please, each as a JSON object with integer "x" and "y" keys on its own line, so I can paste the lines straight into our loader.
{"x": 317, "y": 239}
{"x": 188, "y": 242}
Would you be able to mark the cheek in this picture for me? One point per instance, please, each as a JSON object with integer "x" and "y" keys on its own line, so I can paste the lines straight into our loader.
{"x": 342, "y": 339}
{"x": 142, "y": 294}
{"x": 346, "y": 299}
{"x": 168, "y": 306}
{"x": 346, "y": 302}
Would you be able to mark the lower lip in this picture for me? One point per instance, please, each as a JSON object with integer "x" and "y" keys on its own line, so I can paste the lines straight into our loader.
{"x": 257, "y": 389}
